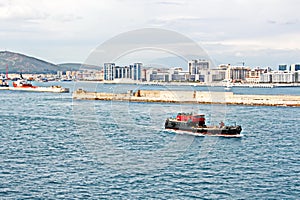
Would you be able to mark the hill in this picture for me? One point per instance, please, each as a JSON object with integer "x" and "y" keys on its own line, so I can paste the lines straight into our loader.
{"x": 18, "y": 63}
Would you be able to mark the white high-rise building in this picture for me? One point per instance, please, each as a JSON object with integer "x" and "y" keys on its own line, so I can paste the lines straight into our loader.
{"x": 109, "y": 71}
{"x": 112, "y": 72}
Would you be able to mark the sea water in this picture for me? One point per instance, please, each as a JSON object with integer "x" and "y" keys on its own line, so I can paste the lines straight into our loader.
{"x": 54, "y": 147}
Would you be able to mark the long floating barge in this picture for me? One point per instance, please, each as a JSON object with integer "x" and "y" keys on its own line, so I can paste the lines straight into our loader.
{"x": 198, "y": 97}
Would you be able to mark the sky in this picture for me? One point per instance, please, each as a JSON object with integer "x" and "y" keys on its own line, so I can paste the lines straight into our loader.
{"x": 256, "y": 32}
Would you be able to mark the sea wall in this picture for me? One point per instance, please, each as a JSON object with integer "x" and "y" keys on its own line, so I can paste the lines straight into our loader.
{"x": 191, "y": 97}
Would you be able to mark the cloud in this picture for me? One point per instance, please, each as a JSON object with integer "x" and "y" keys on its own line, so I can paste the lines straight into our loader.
{"x": 22, "y": 12}
{"x": 33, "y": 11}
{"x": 287, "y": 22}
{"x": 170, "y": 3}
{"x": 221, "y": 26}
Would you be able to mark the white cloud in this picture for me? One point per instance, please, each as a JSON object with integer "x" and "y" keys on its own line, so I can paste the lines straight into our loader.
{"x": 11, "y": 11}
{"x": 228, "y": 26}
{"x": 276, "y": 42}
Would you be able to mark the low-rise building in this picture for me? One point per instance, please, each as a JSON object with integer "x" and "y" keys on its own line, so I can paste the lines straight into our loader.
{"x": 283, "y": 77}
{"x": 237, "y": 73}
{"x": 254, "y": 75}
{"x": 278, "y": 77}
{"x": 295, "y": 67}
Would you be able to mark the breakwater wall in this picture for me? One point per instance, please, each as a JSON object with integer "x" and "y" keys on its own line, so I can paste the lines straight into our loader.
{"x": 199, "y": 97}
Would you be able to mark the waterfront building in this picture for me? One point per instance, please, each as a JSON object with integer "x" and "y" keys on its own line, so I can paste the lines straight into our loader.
{"x": 295, "y": 67}
{"x": 158, "y": 75}
{"x": 195, "y": 66}
{"x": 69, "y": 74}
{"x": 283, "y": 77}
{"x": 144, "y": 75}
{"x": 59, "y": 74}
{"x": 217, "y": 75}
{"x": 283, "y": 67}
{"x": 278, "y": 77}
{"x": 236, "y": 73}
{"x": 136, "y": 71}
{"x": 253, "y": 75}
{"x": 167, "y": 75}
{"x": 112, "y": 72}
{"x": 90, "y": 75}
{"x": 109, "y": 71}
{"x": 99, "y": 75}
{"x": 199, "y": 70}
{"x": 265, "y": 78}
{"x": 178, "y": 75}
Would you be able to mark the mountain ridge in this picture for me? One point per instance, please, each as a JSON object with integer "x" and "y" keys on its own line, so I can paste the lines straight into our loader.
{"x": 21, "y": 63}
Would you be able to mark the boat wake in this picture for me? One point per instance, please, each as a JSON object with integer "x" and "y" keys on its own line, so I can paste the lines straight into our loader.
{"x": 203, "y": 135}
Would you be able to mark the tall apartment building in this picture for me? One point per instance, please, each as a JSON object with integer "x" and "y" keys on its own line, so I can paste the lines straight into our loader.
{"x": 112, "y": 72}
{"x": 109, "y": 71}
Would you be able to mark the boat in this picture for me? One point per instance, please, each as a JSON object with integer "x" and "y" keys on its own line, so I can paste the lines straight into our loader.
{"x": 195, "y": 124}
{"x": 3, "y": 84}
{"x": 23, "y": 85}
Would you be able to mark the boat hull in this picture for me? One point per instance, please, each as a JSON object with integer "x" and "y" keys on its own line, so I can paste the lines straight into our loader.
{"x": 203, "y": 130}
{"x": 41, "y": 89}
{"x": 4, "y": 88}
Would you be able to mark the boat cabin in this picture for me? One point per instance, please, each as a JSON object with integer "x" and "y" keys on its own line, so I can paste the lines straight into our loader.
{"x": 190, "y": 117}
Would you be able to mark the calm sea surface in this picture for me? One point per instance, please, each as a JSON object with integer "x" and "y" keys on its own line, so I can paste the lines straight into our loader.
{"x": 52, "y": 147}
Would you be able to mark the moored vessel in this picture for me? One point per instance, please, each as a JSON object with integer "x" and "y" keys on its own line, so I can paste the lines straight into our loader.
{"x": 3, "y": 84}
{"x": 195, "y": 124}
{"x": 23, "y": 85}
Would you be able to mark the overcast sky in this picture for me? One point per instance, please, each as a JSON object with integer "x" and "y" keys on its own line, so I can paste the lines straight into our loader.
{"x": 257, "y": 32}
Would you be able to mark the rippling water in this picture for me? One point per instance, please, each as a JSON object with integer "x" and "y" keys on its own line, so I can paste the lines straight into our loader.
{"x": 52, "y": 147}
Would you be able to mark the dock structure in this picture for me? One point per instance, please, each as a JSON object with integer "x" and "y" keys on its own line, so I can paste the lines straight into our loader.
{"x": 198, "y": 97}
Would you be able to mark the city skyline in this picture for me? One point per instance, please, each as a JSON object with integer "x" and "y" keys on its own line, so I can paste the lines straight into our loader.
{"x": 257, "y": 33}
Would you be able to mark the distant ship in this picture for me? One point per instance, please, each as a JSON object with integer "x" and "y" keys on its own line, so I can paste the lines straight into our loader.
{"x": 195, "y": 124}
{"x": 23, "y": 85}
{"x": 3, "y": 84}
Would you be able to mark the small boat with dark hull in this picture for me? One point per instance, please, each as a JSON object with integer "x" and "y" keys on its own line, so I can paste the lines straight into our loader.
{"x": 196, "y": 125}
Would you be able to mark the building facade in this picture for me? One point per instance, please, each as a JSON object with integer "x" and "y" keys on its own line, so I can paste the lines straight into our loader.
{"x": 295, "y": 67}
{"x": 283, "y": 67}
{"x": 112, "y": 72}
{"x": 108, "y": 71}
{"x": 195, "y": 66}
{"x": 237, "y": 73}
{"x": 279, "y": 77}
